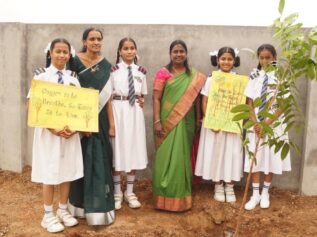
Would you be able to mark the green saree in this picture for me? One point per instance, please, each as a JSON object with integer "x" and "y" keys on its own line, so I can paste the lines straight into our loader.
{"x": 92, "y": 196}
{"x": 172, "y": 175}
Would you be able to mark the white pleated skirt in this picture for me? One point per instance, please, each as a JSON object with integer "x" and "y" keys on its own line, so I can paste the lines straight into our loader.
{"x": 56, "y": 160}
{"x": 219, "y": 156}
{"x": 129, "y": 144}
{"x": 267, "y": 161}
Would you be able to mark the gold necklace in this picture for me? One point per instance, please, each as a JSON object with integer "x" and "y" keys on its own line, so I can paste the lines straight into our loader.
{"x": 178, "y": 72}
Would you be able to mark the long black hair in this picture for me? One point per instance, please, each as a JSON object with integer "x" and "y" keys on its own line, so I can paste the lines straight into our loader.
{"x": 214, "y": 58}
{"x": 85, "y": 36}
{"x": 121, "y": 43}
{"x": 267, "y": 47}
{"x": 169, "y": 66}
{"x": 55, "y": 41}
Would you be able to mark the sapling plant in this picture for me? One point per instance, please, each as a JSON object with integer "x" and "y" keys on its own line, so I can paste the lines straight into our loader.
{"x": 297, "y": 60}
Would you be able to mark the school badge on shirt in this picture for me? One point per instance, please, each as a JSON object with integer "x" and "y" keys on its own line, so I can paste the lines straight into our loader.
{"x": 137, "y": 78}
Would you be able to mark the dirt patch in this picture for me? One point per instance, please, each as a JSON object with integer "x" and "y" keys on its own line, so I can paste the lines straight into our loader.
{"x": 289, "y": 215}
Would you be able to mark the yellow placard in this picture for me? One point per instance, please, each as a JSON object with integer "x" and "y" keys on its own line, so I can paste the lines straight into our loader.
{"x": 55, "y": 106}
{"x": 226, "y": 91}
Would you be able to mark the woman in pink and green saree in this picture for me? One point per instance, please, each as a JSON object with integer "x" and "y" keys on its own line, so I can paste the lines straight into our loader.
{"x": 176, "y": 108}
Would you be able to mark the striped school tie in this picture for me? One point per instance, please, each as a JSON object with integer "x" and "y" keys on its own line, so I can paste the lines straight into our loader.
{"x": 60, "y": 77}
{"x": 263, "y": 95}
{"x": 131, "y": 87}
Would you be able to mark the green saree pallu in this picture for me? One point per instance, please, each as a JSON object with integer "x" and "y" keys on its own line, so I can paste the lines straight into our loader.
{"x": 92, "y": 196}
{"x": 172, "y": 177}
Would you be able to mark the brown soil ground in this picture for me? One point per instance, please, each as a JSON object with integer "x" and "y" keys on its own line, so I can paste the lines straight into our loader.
{"x": 289, "y": 214}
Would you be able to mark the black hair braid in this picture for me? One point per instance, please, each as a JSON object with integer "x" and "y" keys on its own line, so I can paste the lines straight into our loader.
{"x": 236, "y": 61}
{"x": 118, "y": 57}
{"x": 213, "y": 60}
{"x": 71, "y": 63}
{"x": 48, "y": 59}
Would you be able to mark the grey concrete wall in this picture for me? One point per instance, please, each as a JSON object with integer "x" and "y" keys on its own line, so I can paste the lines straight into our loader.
{"x": 12, "y": 96}
{"x": 153, "y": 44}
{"x": 309, "y": 162}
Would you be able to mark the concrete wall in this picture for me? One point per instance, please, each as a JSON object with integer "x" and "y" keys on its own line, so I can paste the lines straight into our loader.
{"x": 153, "y": 44}
{"x": 12, "y": 96}
{"x": 309, "y": 162}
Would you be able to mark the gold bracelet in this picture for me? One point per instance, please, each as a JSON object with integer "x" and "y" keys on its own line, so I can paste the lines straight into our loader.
{"x": 157, "y": 121}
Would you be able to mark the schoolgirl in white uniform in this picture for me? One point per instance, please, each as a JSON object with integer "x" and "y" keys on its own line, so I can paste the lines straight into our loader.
{"x": 57, "y": 156}
{"x": 219, "y": 155}
{"x": 128, "y": 82}
{"x": 267, "y": 161}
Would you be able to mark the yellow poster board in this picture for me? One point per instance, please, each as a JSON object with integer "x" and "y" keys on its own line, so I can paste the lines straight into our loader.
{"x": 54, "y": 105}
{"x": 226, "y": 91}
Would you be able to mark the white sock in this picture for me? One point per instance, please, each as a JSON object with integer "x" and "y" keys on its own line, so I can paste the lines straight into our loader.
{"x": 229, "y": 185}
{"x": 219, "y": 188}
{"x": 117, "y": 184}
{"x": 255, "y": 189}
{"x": 130, "y": 182}
{"x": 266, "y": 187}
{"x": 62, "y": 207}
{"x": 48, "y": 209}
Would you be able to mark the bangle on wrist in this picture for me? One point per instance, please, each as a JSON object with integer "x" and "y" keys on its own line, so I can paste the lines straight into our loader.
{"x": 157, "y": 121}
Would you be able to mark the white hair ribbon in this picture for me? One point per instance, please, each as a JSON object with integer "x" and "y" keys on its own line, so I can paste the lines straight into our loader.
{"x": 213, "y": 53}
{"x": 236, "y": 52}
{"x": 48, "y": 47}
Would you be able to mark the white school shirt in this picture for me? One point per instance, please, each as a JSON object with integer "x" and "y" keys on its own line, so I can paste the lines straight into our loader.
{"x": 254, "y": 87}
{"x": 120, "y": 82}
{"x": 50, "y": 75}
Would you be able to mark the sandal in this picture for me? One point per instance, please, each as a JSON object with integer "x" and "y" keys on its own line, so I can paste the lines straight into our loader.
{"x": 51, "y": 224}
{"x": 118, "y": 200}
{"x": 132, "y": 199}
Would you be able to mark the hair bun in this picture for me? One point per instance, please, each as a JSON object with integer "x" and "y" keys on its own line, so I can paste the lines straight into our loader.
{"x": 237, "y": 61}
{"x": 213, "y": 60}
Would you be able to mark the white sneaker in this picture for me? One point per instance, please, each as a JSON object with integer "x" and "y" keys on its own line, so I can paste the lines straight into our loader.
{"x": 51, "y": 223}
{"x": 219, "y": 193}
{"x": 118, "y": 197}
{"x": 251, "y": 204}
{"x": 265, "y": 201}
{"x": 132, "y": 200}
{"x": 66, "y": 218}
{"x": 230, "y": 196}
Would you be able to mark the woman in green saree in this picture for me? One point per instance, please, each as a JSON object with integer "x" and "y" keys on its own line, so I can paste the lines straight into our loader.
{"x": 92, "y": 196}
{"x": 176, "y": 108}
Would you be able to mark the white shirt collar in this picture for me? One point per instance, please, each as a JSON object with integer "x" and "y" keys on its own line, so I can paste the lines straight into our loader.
{"x": 232, "y": 72}
{"x": 54, "y": 70}
{"x": 126, "y": 65}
